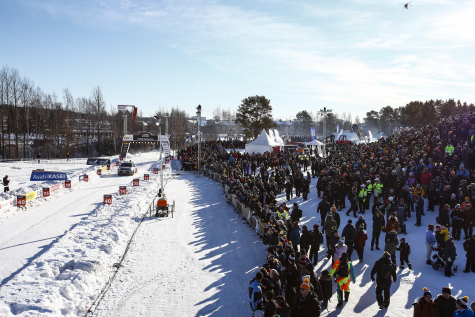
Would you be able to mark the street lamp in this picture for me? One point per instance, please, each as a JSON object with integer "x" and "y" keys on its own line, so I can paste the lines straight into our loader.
{"x": 324, "y": 113}
{"x": 198, "y": 113}
{"x": 158, "y": 124}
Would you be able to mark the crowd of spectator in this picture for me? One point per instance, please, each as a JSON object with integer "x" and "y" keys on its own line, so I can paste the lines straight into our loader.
{"x": 391, "y": 179}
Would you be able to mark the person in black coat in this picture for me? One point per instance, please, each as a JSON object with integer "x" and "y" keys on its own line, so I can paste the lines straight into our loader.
{"x": 306, "y": 239}
{"x": 315, "y": 246}
{"x": 323, "y": 208}
{"x": 378, "y": 224}
{"x": 384, "y": 270}
{"x": 6, "y": 182}
{"x": 269, "y": 306}
{"x": 445, "y": 303}
{"x": 283, "y": 309}
{"x": 444, "y": 218}
{"x": 349, "y": 233}
{"x": 326, "y": 285}
{"x": 296, "y": 213}
{"x": 469, "y": 247}
{"x": 306, "y": 302}
{"x": 450, "y": 253}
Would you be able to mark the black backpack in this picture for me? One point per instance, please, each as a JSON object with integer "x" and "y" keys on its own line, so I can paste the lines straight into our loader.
{"x": 342, "y": 270}
{"x": 389, "y": 237}
{"x": 351, "y": 234}
{"x": 386, "y": 271}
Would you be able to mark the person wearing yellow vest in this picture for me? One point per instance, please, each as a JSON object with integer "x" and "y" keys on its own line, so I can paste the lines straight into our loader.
{"x": 369, "y": 189}
{"x": 361, "y": 199}
{"x": 449, "y": 149}
{"x": 377, "y": 189}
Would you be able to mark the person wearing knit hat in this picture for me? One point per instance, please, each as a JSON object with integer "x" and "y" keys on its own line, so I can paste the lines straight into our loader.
{"x": 445, "y": 303}
{"x": 385, "y": 271}
{"x": 425, "y": 306}
{"x": 306, "y": 301}
{"x": 315, "y": 246}
{"x": 463, "y": 309}
{"x": 255, "y": 290}
{"x": 344, "y": 273}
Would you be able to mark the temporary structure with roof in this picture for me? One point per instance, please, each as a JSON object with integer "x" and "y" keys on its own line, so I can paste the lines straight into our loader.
{"x": 316, "y": 143}
{"x": 263, "y": 143}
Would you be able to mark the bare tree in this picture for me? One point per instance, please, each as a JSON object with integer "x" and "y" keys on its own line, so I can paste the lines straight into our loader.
{"x": 99, "y": 106}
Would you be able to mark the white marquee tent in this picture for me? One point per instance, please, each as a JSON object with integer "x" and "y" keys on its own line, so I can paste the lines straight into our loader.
{"x": 263, "y": 143}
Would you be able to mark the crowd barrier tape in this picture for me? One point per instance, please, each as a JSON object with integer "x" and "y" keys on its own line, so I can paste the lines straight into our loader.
{"x": 6, "y": 204}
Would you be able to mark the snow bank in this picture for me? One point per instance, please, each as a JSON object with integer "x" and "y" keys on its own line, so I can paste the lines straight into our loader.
{"x": 66, "y": 279}
{"x": 8, "y": 200}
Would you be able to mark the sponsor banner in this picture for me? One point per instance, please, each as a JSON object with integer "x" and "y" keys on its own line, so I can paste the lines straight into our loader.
{"x": 6, "y": 204}
{"x": 120, "y": 107}
{"x": 312, "y": 133}
{"x": 104, "y": 169}
{"x": 38, "y": 175}
{"x": 81, "y": 178}
{"x": 30, "y": 196}
{"x": 98, "y": 161}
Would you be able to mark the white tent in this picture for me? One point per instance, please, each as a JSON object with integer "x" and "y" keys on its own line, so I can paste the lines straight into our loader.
{"x": 261, "y": 144}
{"x": 316, "y": 143}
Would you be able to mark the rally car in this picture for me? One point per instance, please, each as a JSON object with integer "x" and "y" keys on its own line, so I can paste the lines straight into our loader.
{"x": 127, "y": 168}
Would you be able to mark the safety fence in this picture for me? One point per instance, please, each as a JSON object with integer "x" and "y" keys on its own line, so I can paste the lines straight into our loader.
{"x": 252, "y": 220}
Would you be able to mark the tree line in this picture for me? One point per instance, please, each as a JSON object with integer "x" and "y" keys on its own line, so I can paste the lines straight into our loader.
{"x": 40, "y": 123}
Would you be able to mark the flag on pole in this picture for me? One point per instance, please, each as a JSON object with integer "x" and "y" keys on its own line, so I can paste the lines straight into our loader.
{"x": 312, "y": 133}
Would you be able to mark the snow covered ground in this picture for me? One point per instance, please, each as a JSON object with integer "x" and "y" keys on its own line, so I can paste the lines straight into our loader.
{"x": 198, "y": 263}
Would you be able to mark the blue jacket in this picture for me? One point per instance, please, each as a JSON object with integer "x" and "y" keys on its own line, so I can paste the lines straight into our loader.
{"x": 430, "y": 238}
{"x": 295, "y": 236}
{"x": 463, "y": 173}
{"x": 465, "y": 313}
{"x": 255, "y": 294}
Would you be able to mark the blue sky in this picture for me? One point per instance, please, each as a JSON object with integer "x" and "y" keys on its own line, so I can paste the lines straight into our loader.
{"x": 351, "y": 56}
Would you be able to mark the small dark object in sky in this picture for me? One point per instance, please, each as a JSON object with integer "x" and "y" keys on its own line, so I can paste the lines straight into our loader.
{"x": 406, "y": 6}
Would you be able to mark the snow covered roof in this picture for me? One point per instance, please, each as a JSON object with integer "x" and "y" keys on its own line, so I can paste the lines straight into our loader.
{"x": 264, "y": 139}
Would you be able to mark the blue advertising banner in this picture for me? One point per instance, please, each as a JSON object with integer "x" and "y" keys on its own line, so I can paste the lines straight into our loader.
{"x": 312, "y": 133}
{"x": 47, "y": 176}
{"x": 98, "y": 161}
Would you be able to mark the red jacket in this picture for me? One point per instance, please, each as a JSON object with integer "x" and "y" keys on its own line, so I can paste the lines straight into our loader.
{"x": 426, "y": 178}
{"x": 361, "y": 238}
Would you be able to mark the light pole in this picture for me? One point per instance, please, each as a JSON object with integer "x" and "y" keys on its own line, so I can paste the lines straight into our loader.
{"x": 198, "y": 113}
{"x": 158, "y": 123}
{"x": 166, "y": 115}
{"x": 325, "y": 113}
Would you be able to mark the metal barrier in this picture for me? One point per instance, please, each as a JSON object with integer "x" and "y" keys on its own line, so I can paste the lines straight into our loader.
{"x": 253, "y": 221}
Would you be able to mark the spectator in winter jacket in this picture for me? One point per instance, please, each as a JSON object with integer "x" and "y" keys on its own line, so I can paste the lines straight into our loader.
{"x": 326, "y": 284}
{"x": 392, "y": 241}
{"x": 469, "y": 218}
{"x": 328, "y": 229}
{"x": 450, "y": 254}
{"x": 315, "y": 246}
{"x": 343, "y": 278}
{"x": 255, "y": 292}
{"x": 440, "y": 238}
{"x": 269, "y": 306}
{"x": 430, "y": 242}
{"x": 274, "y": 278}
{"x": 457, "y": 222}
{"x": 360, "y": 221}
{"x": 418, "y": 189}
{"x": 393, "y": 223}
{"x": 340, "y": 249}
{"x": 360, "y": 241}
{"x": 323, "y": 208}
{"x": 404, "y": 251}
{"x": 295, "y": 235}
{"x": 305, "y": 302}
{"x": 349, "y": 234}
{"x": 283, "y": 309}
{"x": 444, "y": 218}
{"x": 425, "y": 307}
{"x": 306, "y": 239}
{"x": 419, "y": 209}
{"x": 426, "y": 178}
{"x": 384, "y": 270}
{"x": 314, "y": 281}
{"x": 378, "y": 224}
{"x": 445, "y": 303}
{"x": 463, "y": 309}
{"x": 469, "y": 247}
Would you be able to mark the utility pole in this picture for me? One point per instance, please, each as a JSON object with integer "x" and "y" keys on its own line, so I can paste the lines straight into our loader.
{"x": 125, "y": 124}
{"x": 166, "y": 115}
{"x": 158, "y": 124}
{"x": 198, "y": 113}
{"x": 324, "y": 113}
